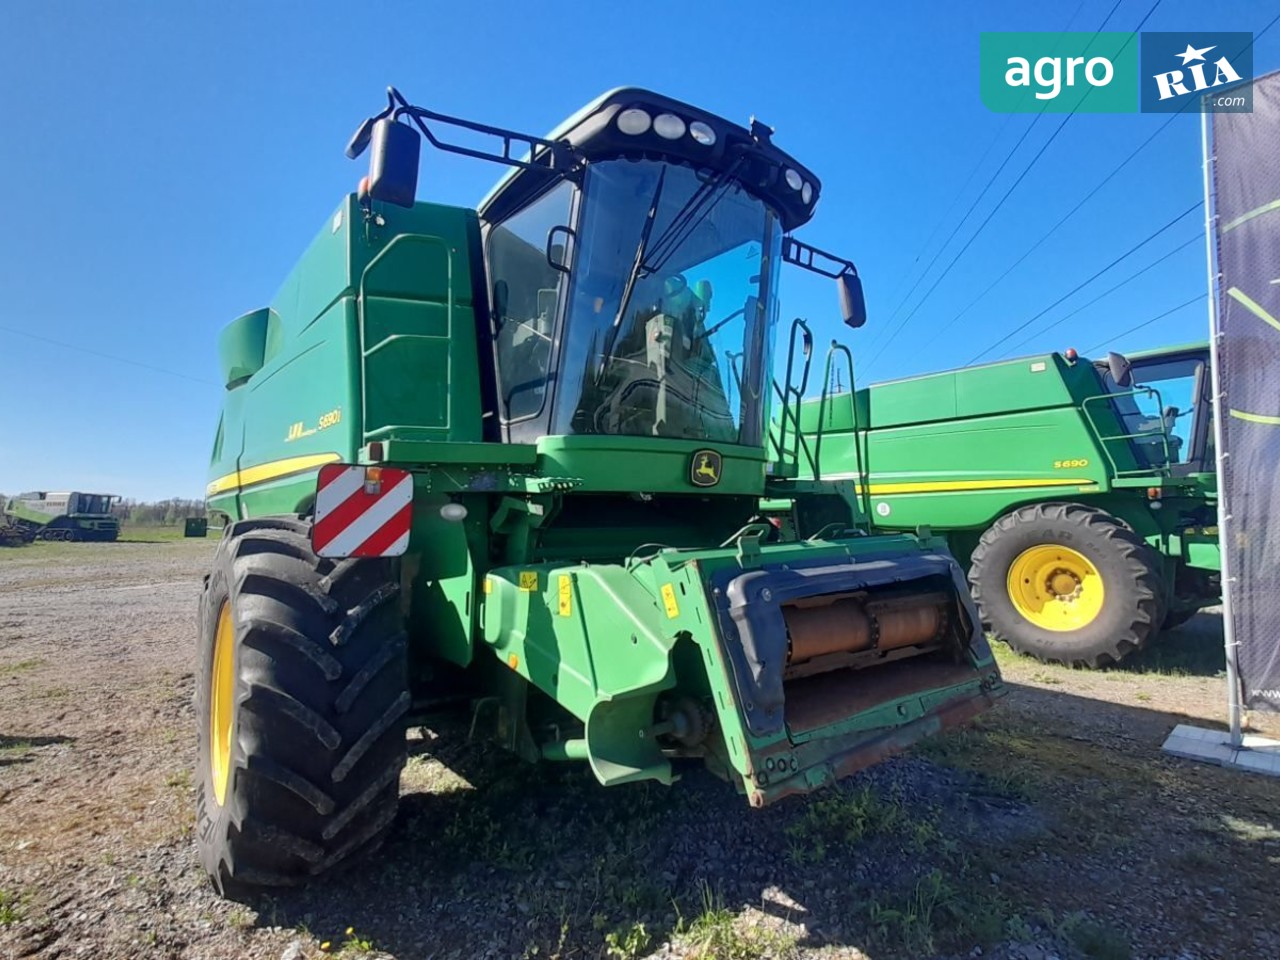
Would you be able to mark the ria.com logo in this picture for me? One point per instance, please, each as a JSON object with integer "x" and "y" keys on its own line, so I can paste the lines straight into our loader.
{"x": 1104, "y": 73}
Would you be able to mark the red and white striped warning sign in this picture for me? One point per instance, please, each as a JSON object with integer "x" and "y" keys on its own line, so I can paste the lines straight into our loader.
{"x": 362, "y": 511}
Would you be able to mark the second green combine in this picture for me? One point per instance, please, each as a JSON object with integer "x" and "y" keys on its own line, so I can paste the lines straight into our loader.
{"x": 1081, "y": 495}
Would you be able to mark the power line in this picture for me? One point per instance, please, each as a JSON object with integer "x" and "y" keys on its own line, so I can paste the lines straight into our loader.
{"x": 1090, "y": 195}
{"x": 107, "y": 356}
{"x": 1080, "y": 286}
{"x": 1026, "y": 170}
{"x": 1196, "y": 238}
{"x": 942, "y": 219}
{"x": 978, "y": 199}
{"x": 1198, "y": 298}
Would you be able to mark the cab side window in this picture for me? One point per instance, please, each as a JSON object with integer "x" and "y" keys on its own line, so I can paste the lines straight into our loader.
{"x": 526, "y": 296}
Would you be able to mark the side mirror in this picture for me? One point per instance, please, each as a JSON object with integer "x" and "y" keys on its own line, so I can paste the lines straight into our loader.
{"x": 560, "y": 248}
{"x": 1120, "y": 368}
{"x": 853, "y": 306}
{"x": 393, "y": 163}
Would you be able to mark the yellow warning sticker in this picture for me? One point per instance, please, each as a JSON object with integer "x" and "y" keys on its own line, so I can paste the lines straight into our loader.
{"x": 529, "y": 580}
{"x": 566, "y": 595}
{"x": 669, "y": 601}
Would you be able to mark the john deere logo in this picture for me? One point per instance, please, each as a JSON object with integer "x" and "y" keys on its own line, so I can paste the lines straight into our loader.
{"x": 704, "y": 469}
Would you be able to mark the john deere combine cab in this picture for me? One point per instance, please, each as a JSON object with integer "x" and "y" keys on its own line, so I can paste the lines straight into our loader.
{"x": 63, "y": 516}
{"x": 508, "y": 462}
{"x": 1081, "y": 495}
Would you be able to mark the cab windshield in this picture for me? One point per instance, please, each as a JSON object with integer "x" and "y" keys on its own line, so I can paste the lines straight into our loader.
{"x": 92, "y": 503}
{"x": 671, "y": 305}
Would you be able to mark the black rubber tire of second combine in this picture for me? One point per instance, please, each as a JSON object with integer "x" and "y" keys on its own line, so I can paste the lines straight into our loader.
{"x": 320, "y": 692}
{"x": 1133, "y": 608}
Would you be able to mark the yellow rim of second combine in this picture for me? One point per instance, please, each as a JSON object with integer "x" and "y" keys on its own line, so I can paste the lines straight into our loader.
{"x": 1056, "y": 588}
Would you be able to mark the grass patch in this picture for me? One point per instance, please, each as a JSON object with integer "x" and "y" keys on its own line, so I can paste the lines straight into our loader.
{"x": 840, "y": 818}
{"x": 15, "y": 748}
{"x": 21, "y": 666}
{"x": 158, "y": 533}
{"x": 937, "y": 913}
{"x": 717, "y": 934}
{"x": 627, "y": 943}
{"x": 10, "y": 908}
{"x": 1094, "y": 940}
{"x": 1192, "y": 651}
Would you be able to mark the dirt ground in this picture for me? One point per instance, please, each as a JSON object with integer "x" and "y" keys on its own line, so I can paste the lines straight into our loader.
{"x": 1052, "y": 828}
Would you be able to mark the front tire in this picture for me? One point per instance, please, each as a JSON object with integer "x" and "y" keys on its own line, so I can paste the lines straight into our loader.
{"x": 1066, "y": 583}
{"x": 301, "y": 688}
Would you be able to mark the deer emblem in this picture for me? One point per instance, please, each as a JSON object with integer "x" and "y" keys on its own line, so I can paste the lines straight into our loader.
{"x": 706, "y": 468}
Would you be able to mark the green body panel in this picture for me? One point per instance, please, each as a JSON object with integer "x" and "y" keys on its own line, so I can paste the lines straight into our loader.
{"x": 956, "y": 450}
{"x": 370, "y": 337}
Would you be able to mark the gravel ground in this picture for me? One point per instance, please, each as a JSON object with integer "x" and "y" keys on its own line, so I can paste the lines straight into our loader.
{"x": 1053, "y": 828}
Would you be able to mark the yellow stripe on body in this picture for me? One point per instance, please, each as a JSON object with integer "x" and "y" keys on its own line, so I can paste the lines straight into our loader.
{"x": 272, "y": 470}
{"x": 954, "y": 486}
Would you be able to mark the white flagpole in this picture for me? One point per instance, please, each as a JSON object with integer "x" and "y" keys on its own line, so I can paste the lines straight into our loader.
{"x": 1219, "y": 446}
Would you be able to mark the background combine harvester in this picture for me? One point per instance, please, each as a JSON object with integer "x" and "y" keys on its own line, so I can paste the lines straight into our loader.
{"x": 1081, "y": 495}
{"x": 62, "y": 516}
{"x": 555, "y": 409}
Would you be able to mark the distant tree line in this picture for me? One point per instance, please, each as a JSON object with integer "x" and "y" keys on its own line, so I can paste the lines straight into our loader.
{"x": 159, "y": 512}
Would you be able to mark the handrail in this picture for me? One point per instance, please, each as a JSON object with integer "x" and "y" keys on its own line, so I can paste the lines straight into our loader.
{"x": 864, "y": 482}
{"x": 789, "y": 392}
{"x": 1104, "y": 438}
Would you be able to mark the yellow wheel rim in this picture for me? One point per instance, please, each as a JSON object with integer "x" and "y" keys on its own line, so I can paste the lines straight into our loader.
{"x": 1056, "y": 588}
{"x": 222, "y": 703}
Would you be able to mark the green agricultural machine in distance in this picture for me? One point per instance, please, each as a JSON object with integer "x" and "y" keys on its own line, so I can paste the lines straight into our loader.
{"x": 508, "y": 462}
{"x": 1081, "y": 495}
{"x": 63, "y": 516}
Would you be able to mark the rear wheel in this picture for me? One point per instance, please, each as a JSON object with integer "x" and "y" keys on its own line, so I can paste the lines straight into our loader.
{"x": 1067, "y": 583}
{"x": 300, "y": 695}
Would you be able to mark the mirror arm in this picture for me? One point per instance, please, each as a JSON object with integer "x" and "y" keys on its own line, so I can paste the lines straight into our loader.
{"x": 552, "y": 156}
{"x": 808, "y": 257}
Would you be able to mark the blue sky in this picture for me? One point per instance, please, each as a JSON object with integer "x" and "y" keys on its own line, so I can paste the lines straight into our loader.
{"x": 166, "y": 163}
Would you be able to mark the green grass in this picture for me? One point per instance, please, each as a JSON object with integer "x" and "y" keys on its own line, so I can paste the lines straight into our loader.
{"x": 716, "y": 933}
{"x": 1193, "y": 650}
{"x": 838, "y": 819}
{"x": 13, "y": 749}
{"x": 627, "y": 943}
{"x": 10, "y": 908}
{"x": 20, "y": 666}
{"x": 160, "y": 533}
{"x": 1094, "y": 940}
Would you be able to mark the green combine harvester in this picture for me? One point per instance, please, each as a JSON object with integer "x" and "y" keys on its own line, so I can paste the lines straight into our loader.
{"x": 62, "y": 516}
{"x": 508, "y": 462}
{"x": 1081, "y": 495}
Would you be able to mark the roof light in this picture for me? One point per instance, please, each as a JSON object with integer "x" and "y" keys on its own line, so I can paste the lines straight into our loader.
{"x": 702, "y": 133}
{"x": 794, "y": 180}
{"x": 668, "y": 126}
{"x": 806, "y": 193}
{"x": 634, "y": 122}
